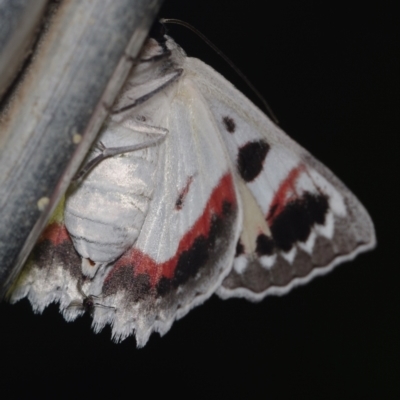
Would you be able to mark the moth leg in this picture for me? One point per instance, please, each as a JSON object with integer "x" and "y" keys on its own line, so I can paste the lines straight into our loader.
{"x": 79, "y": 287}
{"x": 103, "y": 306}
{"x": 81, "y": 292}
{"x": 156, "y": 58}
{"x": 160, "y": 84}
{"x": 88, "y": 302}
{"x": 106, "y": 152}
{"x": 75, "y": 304}
{"x": 153, "y": 59}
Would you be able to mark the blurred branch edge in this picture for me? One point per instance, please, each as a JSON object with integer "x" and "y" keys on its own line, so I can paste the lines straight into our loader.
{"x": 53, "y": 113}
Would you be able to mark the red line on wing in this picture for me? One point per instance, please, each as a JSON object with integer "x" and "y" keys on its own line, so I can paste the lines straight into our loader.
{"x": 144, "y": 264}
{"x": 282, "y": 196}
{"x": 56, "y": 233}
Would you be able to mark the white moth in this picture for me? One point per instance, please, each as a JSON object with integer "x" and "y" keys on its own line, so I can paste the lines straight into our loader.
{"x": 190, "y": 190}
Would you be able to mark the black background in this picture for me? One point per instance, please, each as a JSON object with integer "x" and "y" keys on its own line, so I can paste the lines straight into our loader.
{"x": 330, "y": 72}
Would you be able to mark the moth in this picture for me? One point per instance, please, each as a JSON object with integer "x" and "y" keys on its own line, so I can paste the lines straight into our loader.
{"x": 189, "y": 190}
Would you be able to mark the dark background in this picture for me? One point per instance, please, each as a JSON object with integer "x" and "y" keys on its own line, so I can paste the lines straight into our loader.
{"x": 331, "y": 74}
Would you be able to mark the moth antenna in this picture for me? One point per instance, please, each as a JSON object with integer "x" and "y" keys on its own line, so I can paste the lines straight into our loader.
{"x": 227, "y": 59}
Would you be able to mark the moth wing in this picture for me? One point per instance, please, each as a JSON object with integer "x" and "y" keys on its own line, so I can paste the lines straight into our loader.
{"x": 187, "y": 242}
{"x": 52, "y": 270}
{"x": 299, "y": 220}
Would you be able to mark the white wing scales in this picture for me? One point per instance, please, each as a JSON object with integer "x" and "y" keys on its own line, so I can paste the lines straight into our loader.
{"x": 185, "y": 246}
{"x": 314, "y": 221}
{"x": 182, "y": 253}
{"x": 226, "y": 203}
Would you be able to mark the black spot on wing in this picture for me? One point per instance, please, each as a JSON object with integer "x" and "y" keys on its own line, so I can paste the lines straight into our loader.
{"x": 179, "y": 203}
{"x": 250, "y": 159}
{"x": 190, "y": 261}
{"x": 183, "y": 194}
{"x": 295, "y": 222}
{"x": 264, "y": 245}
{"x": 229, "y": 124}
